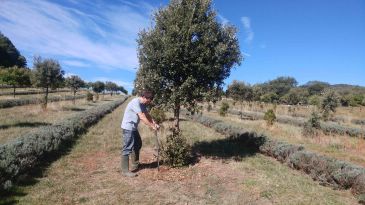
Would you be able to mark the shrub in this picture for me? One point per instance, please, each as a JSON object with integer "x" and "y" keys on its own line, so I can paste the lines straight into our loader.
{"x": 312, "y": 126}
{"x": 176, "y": 151}
{"x": 209, "y": 108}
{"x": 329, "y": 105}
{"x": 158, "y": 115}
{"x": 223, "y": 109}
{"x": 89, "y": 96}
{"x": 270, "y": 117}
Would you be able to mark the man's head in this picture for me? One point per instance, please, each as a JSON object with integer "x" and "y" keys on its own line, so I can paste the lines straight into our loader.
{"x": 146, "y": 96}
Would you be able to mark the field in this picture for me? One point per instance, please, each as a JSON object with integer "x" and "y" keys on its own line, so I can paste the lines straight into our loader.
{"x": 90, "y": 173}
{"x": 16, "y": 121}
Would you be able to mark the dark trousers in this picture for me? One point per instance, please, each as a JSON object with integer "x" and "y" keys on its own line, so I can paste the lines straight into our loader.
{"x": 131, "y": 141}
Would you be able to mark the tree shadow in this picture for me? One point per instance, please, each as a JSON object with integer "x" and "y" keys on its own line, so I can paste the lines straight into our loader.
{"x": 151, "y": 165}
{"x": 234, "y": 147}
{"x": 25, "y": 124}
{"x": 76, "y": 109}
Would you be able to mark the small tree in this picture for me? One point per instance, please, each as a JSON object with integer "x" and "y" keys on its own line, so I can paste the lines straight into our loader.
{"x": 329, "y": 104}
{"x": 75, "y": 83}
{"x": 123, "y": 90}
{"x": 312, "y": 126}
{"x": 223, "y": 109}
{"x": 186, "y": 56}
{"x": 15, "y": 77}
{"x": 176, "y": 151}
{"x": 240, "y": 92}
{"x": 111, "y": 87}
{"x": 270, "y": 117}
{"x": 47, "y": 74}
{"x": 89, "y": 96}
{"x": 98, "y": 87}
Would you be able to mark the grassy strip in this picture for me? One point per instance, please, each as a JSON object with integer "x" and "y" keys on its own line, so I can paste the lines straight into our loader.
{"x": 26, "y": 152}
{"x": 327, "y": 171}
{"x": 327, "y": 127}
{"x": 26, "y": 101}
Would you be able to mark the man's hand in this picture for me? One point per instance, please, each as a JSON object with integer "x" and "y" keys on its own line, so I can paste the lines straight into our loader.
{"x": 156, "y": 126}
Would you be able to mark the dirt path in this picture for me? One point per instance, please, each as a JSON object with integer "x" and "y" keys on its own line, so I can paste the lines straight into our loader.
{"x": 90, "y": 174}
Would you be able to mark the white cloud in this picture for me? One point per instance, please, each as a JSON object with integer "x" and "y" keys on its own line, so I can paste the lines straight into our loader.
{"x": 99, "y": 35}
{"x": 246, "y": 54}
{"x": 75, "y": 63}
{"x": 246, "y": 21}
{"x": 126, "y": 85}
{"x": 69, "y": 75}
{"x": 222, "y": 19}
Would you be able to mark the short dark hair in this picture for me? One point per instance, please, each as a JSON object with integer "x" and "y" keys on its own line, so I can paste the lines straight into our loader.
{"x": 147, "y": 94}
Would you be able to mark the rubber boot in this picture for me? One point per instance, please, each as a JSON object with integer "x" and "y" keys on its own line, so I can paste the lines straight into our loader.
{"x": 134, "y": 160}
{"x": 125, "y": 167}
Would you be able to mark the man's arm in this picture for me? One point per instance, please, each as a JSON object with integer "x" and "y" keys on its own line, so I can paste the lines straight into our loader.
{"x": 147, "y": 119}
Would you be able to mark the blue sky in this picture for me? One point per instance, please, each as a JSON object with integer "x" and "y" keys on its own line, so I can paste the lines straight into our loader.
{"x": 96, "y": 40}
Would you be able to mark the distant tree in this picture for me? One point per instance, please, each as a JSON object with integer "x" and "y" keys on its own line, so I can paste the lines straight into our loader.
{"x": 270, "y": 97}
{"x": 281, "y": 85}
{"x": 314, "y": 100}
{"x": 257, "y": 91}
{"x": 123, "y": 90}
{"x": 47, "y": 74}
{"x": 186, "y": 55}
{"x": 240, "y": 92}
{"x": 75, "y": 83}
{"x": 329, "y": 104}
{"x": 15, "y": 76}
{"x": 111, "y": 87}
{"x": 295, "y": 96}
{"x": 98, "y": 87}
{"x": 316, "y": 87}
{"x": 9, "y": 55}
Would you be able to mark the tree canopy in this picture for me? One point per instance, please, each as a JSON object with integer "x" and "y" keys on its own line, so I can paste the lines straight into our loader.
{"x": 186, "y": 55}
{"x": 9, "y": 55}
{"x": 75, "y": 83}
{"x": 15, "y": 77}
{"x": 47, "y": 74}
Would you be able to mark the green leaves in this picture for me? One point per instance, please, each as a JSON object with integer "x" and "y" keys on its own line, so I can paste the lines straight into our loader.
{"x": 186, "y": 55}
{"x": 9, "y": 55}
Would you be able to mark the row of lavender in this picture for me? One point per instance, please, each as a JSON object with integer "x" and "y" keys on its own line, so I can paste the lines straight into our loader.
{"x": 22, "y": 155}
{"x": 328, "y": 171}
{"x": 26, "y": 101}
{"x": 327, "y": 127}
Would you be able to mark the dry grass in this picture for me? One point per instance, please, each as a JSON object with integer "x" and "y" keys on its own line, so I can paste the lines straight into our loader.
{"x": 16, "y": 121}
{"x": 345, "y": 113}
{"x": 90, "y": 174}
{"x": 347, "y": 148}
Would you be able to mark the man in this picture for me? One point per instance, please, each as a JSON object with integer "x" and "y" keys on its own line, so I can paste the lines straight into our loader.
{"x": 132, "y": 142}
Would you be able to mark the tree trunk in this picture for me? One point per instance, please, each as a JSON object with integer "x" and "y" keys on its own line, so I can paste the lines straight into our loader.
{"x": 45, "y": 98}
{"x": 241, "y": 110}
{"x": 176, "y": 116}
{"x": 14, "y": 90}
{"x": 74, "y": 97}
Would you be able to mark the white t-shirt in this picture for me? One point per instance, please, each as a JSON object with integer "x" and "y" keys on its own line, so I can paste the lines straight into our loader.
{"x": 130, "y": 118}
